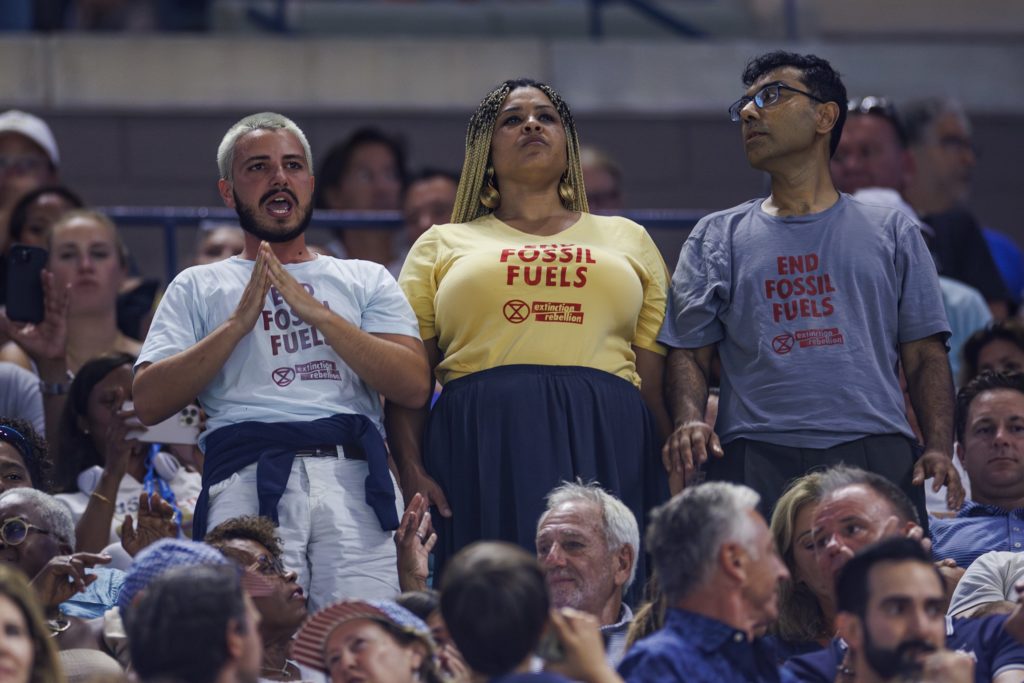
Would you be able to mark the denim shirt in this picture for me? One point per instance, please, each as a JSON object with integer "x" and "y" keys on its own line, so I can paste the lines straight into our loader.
{"x": 695, "y": 648}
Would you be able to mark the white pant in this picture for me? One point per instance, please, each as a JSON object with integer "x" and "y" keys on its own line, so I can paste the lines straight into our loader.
{"x": 332, "y": 538}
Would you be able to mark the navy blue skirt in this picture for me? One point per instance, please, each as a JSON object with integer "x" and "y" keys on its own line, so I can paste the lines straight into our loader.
{"x": 499, "y": 440}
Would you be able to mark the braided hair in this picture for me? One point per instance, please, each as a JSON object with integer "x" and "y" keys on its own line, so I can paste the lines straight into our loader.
{"x": 478, "y": 151}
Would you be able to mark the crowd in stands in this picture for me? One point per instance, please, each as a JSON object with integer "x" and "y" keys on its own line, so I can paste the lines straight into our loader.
{"x": 508, "y": 442}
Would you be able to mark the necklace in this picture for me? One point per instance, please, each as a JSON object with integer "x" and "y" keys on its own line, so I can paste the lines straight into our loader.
{"x": 58, "y": 625}
{"x": 285, "y": 670}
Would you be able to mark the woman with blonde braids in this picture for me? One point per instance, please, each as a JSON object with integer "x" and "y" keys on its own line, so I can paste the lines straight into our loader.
{"x": 540, "y": 321}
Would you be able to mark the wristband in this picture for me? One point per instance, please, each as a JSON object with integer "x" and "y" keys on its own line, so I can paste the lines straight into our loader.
{"x": 56, "y": 388}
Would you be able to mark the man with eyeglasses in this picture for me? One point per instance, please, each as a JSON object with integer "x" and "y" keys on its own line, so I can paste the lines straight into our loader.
{"x": 811, "y": 300}
{"x": 944, "y": 156}
{"x": 28, "y": 160}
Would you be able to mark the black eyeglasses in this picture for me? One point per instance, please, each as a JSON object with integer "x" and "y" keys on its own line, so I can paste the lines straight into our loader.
{"x": 765, "y": 97}
{"x": 14, "y": 531}
{"x": 268, "y": 566}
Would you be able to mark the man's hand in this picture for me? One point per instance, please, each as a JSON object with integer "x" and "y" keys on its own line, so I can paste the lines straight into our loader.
{"x": 688, "y": 447}
{"x": 580, "y": 637}
{"x": 947, "y": 666}
{"x": 414, "y": 480}
{"x": 156, "y": 521}
{"x": 64, "y": 576}
{"x": 938, "y": 466}
{"x": 255, "y": 293}
{"x": 300, "y": 301}
{"x": 45, "y": 341}
{"x": 415, "y": 539}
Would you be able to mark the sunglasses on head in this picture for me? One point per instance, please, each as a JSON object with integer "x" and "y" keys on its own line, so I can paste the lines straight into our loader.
{"x": 14, "y": 530}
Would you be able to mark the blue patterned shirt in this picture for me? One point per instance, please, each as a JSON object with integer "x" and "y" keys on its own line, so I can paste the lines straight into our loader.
{"x": 976, "y": 530}
{"x": 697, "y": 649}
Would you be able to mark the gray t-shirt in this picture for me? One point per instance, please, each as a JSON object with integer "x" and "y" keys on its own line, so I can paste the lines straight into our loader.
{"x": 808, "y": 312}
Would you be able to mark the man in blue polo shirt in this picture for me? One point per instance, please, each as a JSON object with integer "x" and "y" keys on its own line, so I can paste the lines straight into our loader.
{"x": 990, "y": 438}
{"x": 719, "y": 570}
{"x": 857, "y": 509}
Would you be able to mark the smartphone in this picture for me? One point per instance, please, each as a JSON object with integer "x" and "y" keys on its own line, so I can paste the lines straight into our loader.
{"x": 24, "y": 283}
{"x": 181, "y": 428}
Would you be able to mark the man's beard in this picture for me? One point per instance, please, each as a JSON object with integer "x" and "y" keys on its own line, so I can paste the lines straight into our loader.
{"x": 249, "y": 220}
{"x": 901, "y": 663}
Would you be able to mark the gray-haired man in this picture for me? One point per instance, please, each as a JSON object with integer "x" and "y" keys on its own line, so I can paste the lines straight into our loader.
{"x": 587, "y": 545}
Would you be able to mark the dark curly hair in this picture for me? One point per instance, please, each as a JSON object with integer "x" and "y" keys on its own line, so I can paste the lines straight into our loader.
{"x": 248, "y": 528}
{"x": 20, "y": 434}
{"x": 821, "y": 80}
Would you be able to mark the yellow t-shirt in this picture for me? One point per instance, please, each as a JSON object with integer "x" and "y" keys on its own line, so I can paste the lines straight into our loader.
{"x": 493, "y": 295}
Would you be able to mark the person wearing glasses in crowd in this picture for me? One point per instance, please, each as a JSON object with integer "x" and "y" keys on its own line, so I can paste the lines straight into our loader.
{"x": 811, "y": 300}
{"x": 252, "y": 542}
{"x": 38, "y": 539}
{"x": 28, "y": 159}
{"x": 940, "y": 143}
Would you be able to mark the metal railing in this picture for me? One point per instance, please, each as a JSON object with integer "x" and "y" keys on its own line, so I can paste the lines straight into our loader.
{"x": 169, "y": 219}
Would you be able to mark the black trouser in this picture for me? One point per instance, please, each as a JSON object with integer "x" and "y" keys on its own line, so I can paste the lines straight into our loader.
{"x": 768, "y": 468}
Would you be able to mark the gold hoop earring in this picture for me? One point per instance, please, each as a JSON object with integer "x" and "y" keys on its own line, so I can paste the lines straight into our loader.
{"x": 489, "y": 195}
{"x": 566, "y": 191}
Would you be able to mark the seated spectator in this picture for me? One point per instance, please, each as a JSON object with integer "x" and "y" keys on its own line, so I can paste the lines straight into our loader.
{"x": 890, "y": 613}
{"x": 252, "y": 542}
{"x": 990, "y": 444}
{"x": 103, "y": 468}
{"x": 88, "y": 258}
{"x": 374, "y": 641}
{"x": 195, "y": 625}
{"x": 35, "y": 213}
{"x": 426, "y": 604}
{"x": 39, "y": 539}
{"x": 989, "y": 586}
{"x": 717, "y": 565}
{"x": 23, "y": 458}
{"x": 151, "y": 563}
{"x": 998, "y": 348}
{"x": 602, "y": 178}
{"x": 364, "y": 172}
{"x": 217, "y": 242}
{"x": 588, "y": 544}
{"x": 495, "y": 604}
{"x": 806, "y": 608}
{"x": 859, "y": 508}
{"x": 31, "y": 654}
{"x": 30, "y": 160}
{"x": 428, "y": 200}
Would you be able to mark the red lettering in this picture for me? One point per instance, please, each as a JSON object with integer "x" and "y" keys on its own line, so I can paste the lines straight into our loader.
{"x": 826, "y": 305}
{"x": 265, "y": 315}
{"x": 581, "y": 277}
{"x": 513, "y": 273}
{"x": 781, "y": 261}
{"x": 276, "y": 297}
{"x": 505, "y": 253}
{"x": 533, "y": 255}
{"x": 589, "y": 258}
{"x": 275, "y": 344}
{"x": 549, "y": 255}
{"x": 567, "y": 255}
{"x": 535, "y": 280}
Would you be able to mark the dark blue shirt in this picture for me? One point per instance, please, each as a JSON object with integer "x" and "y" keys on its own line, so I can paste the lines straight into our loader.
{"x": 994, "y": 650}
{"x": 976, "y": 530}
{"x": 695, "y": 648}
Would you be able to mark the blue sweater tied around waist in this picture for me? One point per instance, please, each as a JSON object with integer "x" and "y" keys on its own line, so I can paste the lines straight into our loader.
{"x": 273, "y": 446}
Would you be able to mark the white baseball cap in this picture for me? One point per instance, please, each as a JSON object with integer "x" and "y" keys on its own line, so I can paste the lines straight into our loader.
{"x": 32, "y": 127}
